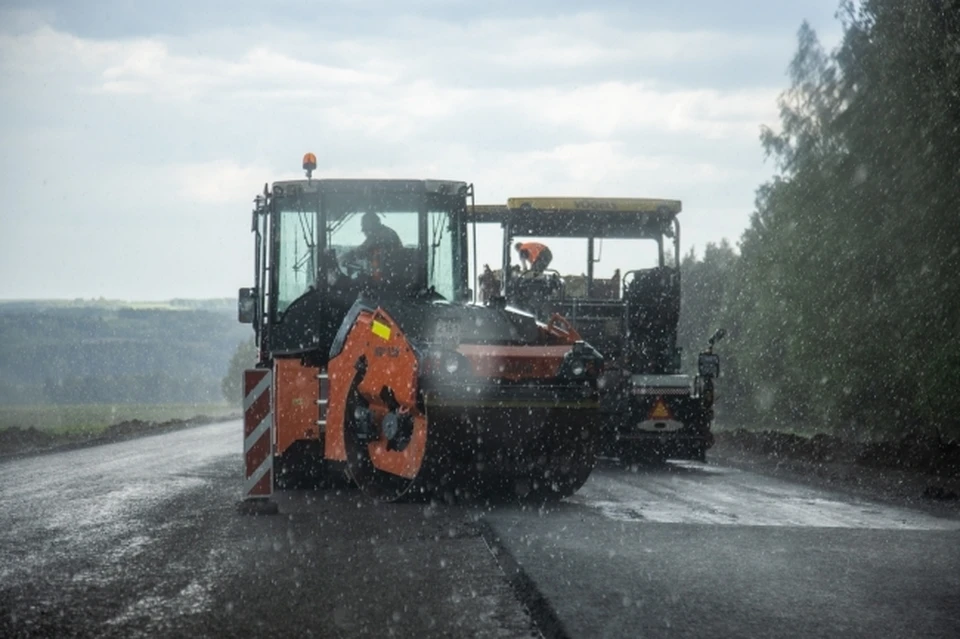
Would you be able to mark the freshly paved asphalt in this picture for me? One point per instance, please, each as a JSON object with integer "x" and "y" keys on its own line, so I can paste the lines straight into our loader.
{"x": 690, "y": 550}
{"x": 141, "y": 538}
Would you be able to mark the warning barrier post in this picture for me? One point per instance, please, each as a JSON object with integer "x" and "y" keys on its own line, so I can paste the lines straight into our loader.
{"x": 258, "y": 443}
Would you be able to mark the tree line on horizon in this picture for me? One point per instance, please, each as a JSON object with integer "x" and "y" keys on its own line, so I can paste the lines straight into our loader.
{"x": 842, "y": 303}
{"x": 108, "y": 354}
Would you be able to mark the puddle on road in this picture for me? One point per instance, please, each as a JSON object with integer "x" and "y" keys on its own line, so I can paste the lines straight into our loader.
{"x": 731, "y": 497}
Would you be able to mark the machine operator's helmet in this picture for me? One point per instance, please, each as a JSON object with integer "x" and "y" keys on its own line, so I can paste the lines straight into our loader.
{"x": 369, "y": 221}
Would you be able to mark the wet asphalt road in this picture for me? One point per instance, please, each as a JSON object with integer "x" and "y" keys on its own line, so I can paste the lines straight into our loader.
{"x": 140, "y": 538}
{"x": 691, "y": 550}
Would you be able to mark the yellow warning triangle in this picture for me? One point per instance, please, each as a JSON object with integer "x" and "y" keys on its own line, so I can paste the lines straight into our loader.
{"x": 660, "y": 410}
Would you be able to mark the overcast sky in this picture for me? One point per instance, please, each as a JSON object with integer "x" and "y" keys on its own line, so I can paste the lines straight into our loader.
{"x": 136, "y": 134}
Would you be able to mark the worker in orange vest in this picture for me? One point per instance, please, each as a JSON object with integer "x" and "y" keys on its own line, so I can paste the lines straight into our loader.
{"x": 534, "y": 256}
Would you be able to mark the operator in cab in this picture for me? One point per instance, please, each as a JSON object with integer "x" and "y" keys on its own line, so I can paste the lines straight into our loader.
{"x": 380, "y": 244}
{"x": 534, "y": 256}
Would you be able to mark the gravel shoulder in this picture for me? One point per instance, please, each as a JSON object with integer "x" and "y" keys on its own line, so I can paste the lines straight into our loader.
{"x": 20, "y": 442}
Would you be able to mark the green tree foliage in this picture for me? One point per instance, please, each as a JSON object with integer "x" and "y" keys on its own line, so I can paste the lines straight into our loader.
{"x": 243, "y": 358}
{"x": 709, "y": 284}
{"x": 847, "y": 300}
{"x": 704, "y": 285}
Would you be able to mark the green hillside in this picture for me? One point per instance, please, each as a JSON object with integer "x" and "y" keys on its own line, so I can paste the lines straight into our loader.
{"x": 105, "y": 351}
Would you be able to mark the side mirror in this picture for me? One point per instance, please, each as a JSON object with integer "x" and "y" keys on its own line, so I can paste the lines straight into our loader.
{"x": 708, "y": 365}
{"x": 247, "y": 305}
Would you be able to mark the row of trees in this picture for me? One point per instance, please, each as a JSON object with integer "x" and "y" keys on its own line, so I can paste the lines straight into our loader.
{"x": 843, "y": 303}
{"x": 243, "y": 358}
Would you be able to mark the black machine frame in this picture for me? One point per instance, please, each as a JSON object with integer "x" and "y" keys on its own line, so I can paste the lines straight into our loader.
{"x": 636, "y": 331}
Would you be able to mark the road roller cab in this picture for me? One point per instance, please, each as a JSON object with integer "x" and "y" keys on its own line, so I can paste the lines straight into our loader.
{"x": 383, "y": 366}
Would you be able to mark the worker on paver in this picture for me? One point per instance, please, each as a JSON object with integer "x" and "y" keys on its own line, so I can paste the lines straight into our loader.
{"x": 534, "y": 256}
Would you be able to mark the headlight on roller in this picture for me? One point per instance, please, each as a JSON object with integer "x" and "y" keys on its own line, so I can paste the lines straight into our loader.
{"x": 581, "y": 362}
{"x": 441, "y": 363}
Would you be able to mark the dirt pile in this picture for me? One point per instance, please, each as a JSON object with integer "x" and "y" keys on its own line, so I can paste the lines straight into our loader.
{"x": 135, "y": 427}
{"x": 16, "y": 439}
{"x": 931, "y": 455}
{"x": 919, "y": 453}
{"x": 819, "y": 448}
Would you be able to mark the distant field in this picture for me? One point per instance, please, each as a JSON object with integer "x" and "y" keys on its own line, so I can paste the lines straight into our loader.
{"x": 174, "y": 304}
{"x": 92, "y": 418}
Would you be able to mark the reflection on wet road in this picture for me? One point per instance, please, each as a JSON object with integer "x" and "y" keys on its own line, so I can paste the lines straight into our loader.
{"x": 140, "y": 538}
{"x": 691, "y": 493}
{"x": 696, "y": 550}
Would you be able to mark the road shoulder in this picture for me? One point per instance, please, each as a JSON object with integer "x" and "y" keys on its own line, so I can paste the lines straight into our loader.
{"x": 16, "y": 443}
{"x": 905, "y": 488}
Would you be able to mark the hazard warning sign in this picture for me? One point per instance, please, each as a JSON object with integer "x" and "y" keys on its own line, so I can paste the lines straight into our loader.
{"x": 660, "y": 410}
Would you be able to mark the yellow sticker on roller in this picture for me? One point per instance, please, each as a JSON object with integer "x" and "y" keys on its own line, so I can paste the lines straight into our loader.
{"x": 380, "y": 329}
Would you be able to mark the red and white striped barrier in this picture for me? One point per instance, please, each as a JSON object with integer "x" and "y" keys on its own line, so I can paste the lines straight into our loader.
{"x": 258, "y": 441}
